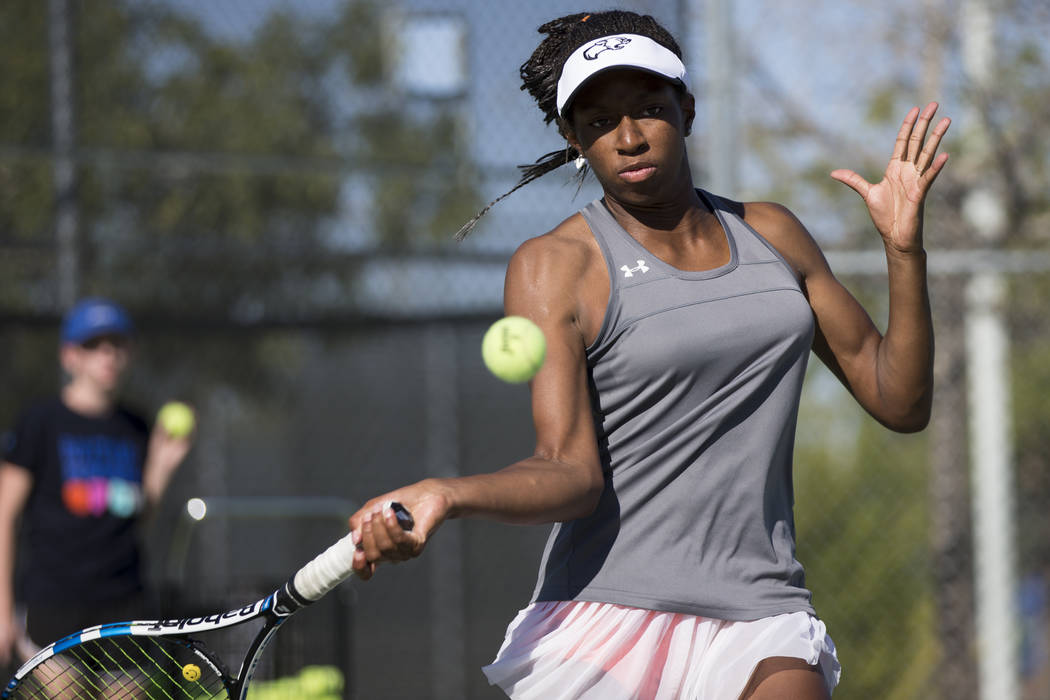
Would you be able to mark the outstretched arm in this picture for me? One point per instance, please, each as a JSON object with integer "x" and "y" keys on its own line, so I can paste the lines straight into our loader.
{"x": 563, "y": 478}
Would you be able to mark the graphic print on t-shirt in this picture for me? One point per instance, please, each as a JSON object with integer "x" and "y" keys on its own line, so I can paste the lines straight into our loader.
{"x": 100, "y": 474}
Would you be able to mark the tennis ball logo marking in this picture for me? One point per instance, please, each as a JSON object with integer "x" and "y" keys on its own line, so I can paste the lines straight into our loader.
{"x": 176, "y": 418}
{"x": 514, "y": 349}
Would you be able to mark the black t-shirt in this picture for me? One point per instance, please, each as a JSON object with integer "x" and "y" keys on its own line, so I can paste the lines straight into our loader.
{"x": 79, "y": 526}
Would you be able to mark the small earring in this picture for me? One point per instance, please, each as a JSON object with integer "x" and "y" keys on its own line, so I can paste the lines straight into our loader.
{"x": 580, "y": 162}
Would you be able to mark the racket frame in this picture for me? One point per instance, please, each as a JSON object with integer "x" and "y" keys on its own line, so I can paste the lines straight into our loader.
{"x": 274, "y": 609}
{"x": 317, "y": 577}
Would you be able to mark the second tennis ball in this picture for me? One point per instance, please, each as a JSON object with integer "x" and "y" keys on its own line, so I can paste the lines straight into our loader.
{"x": 176, "y": 418}
{"x": 514, "y": 349}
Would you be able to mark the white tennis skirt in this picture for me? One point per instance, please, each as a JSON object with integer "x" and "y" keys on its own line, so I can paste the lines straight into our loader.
{"x": 600, "y": 651}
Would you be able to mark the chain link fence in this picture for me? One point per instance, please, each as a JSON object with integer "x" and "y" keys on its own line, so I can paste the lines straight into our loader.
{"x": 271, "y": 188}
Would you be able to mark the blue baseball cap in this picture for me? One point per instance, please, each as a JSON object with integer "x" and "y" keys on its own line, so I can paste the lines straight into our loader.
{"x": 92, "y": 318}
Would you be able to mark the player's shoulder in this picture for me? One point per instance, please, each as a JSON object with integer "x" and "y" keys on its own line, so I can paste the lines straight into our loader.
{"x": 552, "y": 271}
{"x": 786, "y": 233}
{"x": 773, "y": 216}
{"x": 565, "y": 249}
{"x": 767, "y": 218}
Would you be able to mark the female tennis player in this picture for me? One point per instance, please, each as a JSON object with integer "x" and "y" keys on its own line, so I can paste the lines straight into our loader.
{"x": 678, "y": 325}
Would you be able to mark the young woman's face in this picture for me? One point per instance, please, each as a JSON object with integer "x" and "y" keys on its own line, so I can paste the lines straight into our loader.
{"x": 631, "y": 127}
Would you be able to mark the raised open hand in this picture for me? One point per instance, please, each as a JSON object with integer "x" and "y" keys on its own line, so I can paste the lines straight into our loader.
{"x": 896, "y": 202}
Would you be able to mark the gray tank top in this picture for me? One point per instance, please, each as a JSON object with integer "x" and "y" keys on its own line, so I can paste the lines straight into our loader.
{"x": 695, "y": 382}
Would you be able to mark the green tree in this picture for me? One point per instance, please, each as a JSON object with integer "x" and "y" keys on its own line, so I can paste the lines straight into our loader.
{"x": 932, "y": 596}
{"x": 213, "y": 172}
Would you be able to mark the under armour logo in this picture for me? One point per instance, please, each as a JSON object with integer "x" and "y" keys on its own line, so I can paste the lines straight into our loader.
{"x": 629, "y": 271}
{"x": 592, "y": 52}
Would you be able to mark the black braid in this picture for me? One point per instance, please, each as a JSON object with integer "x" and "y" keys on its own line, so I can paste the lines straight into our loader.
{"x": 540, "y": 74}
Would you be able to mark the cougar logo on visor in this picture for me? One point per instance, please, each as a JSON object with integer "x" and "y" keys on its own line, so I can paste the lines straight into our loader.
{"x": 614, "y": 43}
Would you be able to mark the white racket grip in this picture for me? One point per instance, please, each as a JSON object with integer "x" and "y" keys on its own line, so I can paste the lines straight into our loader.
{"x": 334, "y": 565}
{"x": 326, "y": 571}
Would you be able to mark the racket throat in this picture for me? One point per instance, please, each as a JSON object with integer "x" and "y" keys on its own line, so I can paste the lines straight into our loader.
{"x": 239, "y": 688}
{"x": 288, "y": 600}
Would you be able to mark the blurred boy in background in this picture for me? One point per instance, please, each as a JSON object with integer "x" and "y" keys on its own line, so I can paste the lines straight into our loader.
{"x": 78, "y": 475}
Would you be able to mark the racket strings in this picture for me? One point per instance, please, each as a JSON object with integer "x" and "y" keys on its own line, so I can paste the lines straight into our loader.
{"x": 124, "y": 668}
{"x": 110, "y": 678}
{"x": 54, "y": 679}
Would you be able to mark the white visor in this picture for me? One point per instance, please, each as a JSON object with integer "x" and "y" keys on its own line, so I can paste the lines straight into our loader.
{"x": 617, "y": 51}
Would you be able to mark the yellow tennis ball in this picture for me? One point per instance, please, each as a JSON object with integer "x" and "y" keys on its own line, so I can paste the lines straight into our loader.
{"x": 191, "y": 672}
{"x": 514, "y": 349}
{"x": 176, "y": 418}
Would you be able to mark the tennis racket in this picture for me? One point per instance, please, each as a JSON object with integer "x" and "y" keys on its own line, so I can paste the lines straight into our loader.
{"x": 164, "y": 658}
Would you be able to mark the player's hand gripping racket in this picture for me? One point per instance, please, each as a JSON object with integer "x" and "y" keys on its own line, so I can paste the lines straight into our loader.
{"x": 165, "y": 658}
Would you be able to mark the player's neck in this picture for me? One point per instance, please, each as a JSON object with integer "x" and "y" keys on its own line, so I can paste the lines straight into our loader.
{"x": 669, "y": 217}
{"x": 87, "y": 399}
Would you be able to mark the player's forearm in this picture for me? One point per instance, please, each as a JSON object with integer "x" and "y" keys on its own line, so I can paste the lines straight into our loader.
{"x": 905, "y": 357}
{"x": 533, "y": 491}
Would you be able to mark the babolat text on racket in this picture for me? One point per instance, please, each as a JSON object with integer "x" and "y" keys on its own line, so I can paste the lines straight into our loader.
{"x": 167, "y": 658}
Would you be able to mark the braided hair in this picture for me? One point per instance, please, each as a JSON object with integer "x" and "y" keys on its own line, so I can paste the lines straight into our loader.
{"x": 540, "y": 75}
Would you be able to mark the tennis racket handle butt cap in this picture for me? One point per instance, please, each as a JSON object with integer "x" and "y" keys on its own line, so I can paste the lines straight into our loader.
{"x": 334, "y": 565}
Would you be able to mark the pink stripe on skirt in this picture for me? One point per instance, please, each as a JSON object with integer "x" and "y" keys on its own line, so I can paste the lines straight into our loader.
{"x": 600, "y": 651}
